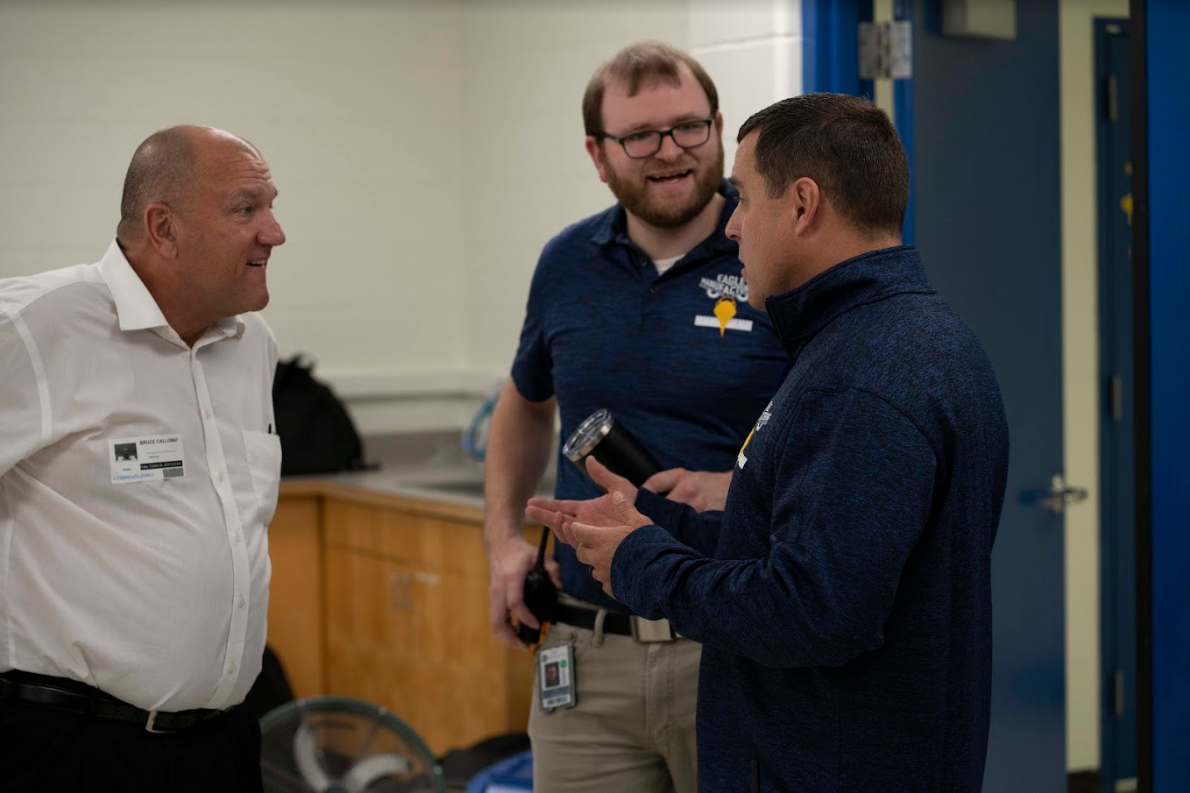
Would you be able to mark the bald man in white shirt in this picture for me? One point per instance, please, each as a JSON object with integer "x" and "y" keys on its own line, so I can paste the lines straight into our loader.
{"x": 138, "y": 474}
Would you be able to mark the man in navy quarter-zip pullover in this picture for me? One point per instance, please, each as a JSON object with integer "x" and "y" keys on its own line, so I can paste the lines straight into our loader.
{"x": 843, "y": 597}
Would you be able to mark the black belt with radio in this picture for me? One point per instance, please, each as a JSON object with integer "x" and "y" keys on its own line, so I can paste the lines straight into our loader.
{"x": 601, "y": 437}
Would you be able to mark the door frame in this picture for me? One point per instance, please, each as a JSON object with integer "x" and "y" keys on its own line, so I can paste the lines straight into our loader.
{"x": 1161, "y": 289}
{"x": 1116, "y": 476}
{"x": 830, "y": 62}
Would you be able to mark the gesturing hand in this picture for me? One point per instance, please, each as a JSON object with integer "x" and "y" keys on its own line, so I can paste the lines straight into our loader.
{"x": 596, "y": 527}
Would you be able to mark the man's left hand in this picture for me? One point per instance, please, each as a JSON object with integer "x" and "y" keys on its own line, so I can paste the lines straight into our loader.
{"x": 610, "y": 518}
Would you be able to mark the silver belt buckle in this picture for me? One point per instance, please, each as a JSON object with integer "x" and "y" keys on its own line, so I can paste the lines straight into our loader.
{"x": 649, "y": 631}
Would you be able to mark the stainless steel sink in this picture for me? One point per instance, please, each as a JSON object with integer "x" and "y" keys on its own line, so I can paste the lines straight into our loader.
{"x": 469, "y": 487}
{"x": 462, "y": 488}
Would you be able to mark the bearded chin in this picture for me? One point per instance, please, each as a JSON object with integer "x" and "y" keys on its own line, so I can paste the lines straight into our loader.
{"x": 635, "y": 197}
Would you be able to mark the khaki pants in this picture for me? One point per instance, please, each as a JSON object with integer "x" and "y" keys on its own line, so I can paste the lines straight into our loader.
{"x": 632, "y": 730}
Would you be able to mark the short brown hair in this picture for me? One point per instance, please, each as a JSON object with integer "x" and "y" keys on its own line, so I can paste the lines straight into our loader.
{"x": 844, "y": 143}
{"x": 636, "y": 64}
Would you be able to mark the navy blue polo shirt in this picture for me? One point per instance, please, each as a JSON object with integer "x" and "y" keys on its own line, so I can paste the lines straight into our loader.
{"x": 680, "y": 359}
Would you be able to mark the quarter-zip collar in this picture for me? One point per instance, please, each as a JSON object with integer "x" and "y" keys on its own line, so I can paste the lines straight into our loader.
{"x": 799, "y": 314}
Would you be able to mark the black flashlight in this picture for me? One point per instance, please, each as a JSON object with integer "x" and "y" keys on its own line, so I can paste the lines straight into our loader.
{"x": 608, "y": 441}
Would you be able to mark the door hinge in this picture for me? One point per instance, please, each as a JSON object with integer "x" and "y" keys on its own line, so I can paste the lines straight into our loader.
{"x": 1115, "y": 397}
{"x": 1111, "y": 98}
{"x": 886, "y": 50}
{"x": 1118, "y": 697}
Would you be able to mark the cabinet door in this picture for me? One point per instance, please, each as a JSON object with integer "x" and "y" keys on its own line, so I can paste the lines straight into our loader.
{"x": 416, "y": 642}
{"x": 370, "y": 630}
{"x": 459, "y": 665}
{"x": 407, "y": 624}
{"x": 295, "y": 593}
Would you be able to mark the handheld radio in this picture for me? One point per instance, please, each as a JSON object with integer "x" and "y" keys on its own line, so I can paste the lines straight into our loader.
{"x": 540, "y": 595}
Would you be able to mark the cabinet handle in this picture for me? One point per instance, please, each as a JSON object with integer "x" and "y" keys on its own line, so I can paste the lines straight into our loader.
{"x": 398, "y": 591}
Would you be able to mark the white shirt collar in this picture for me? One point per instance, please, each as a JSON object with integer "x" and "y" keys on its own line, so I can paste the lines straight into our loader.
{"x": 135, "y": 307}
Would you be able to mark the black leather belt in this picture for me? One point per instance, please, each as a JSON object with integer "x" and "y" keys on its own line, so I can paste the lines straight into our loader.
{"x": 616, "y": 622}
{"x": 74, "y": 697}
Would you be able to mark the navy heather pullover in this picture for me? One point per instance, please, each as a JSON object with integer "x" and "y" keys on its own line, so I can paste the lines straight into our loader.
{"x": 844, "y": 602}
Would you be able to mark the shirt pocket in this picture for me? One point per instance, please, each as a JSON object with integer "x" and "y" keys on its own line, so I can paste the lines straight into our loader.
{"x": 263, "y": 450}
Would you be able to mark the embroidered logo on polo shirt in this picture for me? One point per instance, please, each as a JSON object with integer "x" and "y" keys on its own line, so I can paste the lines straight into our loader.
{"x": 724, "y": 284}
{"x": 724, "y": 290}
{"x": 741, "y": 460}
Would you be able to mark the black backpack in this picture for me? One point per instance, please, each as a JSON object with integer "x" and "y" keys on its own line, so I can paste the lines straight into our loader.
{"x": 317, "y": 433}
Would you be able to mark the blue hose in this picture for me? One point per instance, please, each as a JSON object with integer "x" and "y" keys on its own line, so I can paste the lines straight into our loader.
{"x": 475, "y": 436}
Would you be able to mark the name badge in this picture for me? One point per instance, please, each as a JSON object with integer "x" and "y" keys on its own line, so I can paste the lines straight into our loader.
{"x": 145, "y": 459}
{"x": 555, "y": 677}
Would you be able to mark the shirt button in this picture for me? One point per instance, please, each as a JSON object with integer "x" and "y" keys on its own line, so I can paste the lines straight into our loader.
{"x": 206, "y": 414}
{"x": 219, "y": 477}
{"x": 652, "y": 290}
{"x": 231, "y": 669}
{"x": 239, "y": 538}
{"x": 241, "y": 602}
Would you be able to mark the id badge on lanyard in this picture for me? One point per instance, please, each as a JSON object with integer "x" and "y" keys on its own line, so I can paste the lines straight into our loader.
{"x": 555, "y": 677}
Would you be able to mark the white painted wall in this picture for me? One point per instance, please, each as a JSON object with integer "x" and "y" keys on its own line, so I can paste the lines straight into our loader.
{"x": 356, "y": 106}
{"x": 424, "y": 152}
{"x": 1080, "y": 373}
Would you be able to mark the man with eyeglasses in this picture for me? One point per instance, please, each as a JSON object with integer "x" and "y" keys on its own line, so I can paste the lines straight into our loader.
{"x": 640, "y": 310}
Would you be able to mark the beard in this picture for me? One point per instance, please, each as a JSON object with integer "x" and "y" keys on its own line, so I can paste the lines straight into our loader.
{"x": 635, "y": 195}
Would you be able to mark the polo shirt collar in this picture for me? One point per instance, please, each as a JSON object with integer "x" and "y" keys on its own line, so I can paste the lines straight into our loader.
{"x": 135, "y": 307}
{"x": 613, "y": 229}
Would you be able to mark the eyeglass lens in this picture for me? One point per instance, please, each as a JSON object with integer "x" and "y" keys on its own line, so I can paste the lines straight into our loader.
{"x": 646, "y": 144}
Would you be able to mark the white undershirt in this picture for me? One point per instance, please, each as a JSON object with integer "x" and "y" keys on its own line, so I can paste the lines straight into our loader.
{"x": 665, "y": 264}
{"x": 153, "y": 591}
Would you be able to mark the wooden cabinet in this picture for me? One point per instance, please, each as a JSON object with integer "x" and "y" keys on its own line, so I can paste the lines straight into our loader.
{"x": 404, "y": 617}
{"x": 296, "y": 593}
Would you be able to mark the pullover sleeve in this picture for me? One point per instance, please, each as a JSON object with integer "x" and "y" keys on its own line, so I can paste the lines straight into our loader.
{"x": 697, "y": 530}
{"x": 852, "y": 480}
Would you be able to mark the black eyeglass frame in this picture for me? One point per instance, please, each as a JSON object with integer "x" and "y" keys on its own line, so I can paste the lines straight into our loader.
{"x": 661, "y": 135}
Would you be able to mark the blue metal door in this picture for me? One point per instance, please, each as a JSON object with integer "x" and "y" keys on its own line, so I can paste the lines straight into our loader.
{"x": 988, "y": 198}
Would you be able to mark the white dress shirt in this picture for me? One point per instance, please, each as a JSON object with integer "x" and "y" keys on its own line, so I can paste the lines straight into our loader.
{"x": 154, "y": 591}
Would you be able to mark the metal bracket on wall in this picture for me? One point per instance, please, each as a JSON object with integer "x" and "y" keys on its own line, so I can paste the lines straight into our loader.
{"x": 886, "y": 50}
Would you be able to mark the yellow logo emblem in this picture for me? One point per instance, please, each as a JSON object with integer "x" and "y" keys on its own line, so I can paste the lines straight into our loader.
{"x": 724, "y": 312}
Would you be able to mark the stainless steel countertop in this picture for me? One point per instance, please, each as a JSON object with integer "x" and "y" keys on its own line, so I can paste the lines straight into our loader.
{"x": 452, "y": 485}
{"x": 430, "y": 466}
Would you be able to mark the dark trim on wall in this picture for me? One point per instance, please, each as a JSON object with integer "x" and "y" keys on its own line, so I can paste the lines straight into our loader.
{"x": 903, "y": 116}
{"x": 1142, "y": 374}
